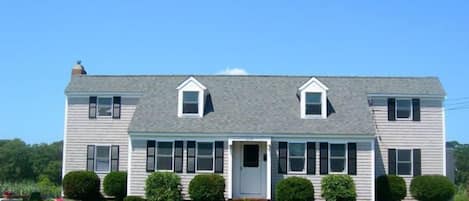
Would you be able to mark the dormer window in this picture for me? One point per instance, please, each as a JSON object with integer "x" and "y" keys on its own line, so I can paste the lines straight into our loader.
{"x": 190, "y": 102}
{"x": 191, "y": 98}
{"x": 313, "y": 103}
{"x": 313, "y": 100}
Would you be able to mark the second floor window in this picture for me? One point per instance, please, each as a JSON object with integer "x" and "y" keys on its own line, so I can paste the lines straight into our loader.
{"x": 403, "y": 108}
{"x": 313, "y": 103}
{"x": 190, "y": 102}
{"x": 104, "y": 107}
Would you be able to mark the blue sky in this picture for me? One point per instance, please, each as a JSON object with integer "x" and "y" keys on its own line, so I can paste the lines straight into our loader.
{"x": 41, "y": 40}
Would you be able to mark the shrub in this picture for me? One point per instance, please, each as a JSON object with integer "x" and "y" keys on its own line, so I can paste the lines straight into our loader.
{"x": 163, "y": 186}
{"x": 338, "y": 188}
{"x": 133, "y": 198}
{"x": 207, "y": 187}
{"x": 294, "y": 189}
{"x": 461, "y": 195}
{"x": 390, "y": 188}
{"x": 115, "y": 184}
{"x": 81, "y": 185}
{"x": 35, "y": 196}
{"x": 432, "y": 188}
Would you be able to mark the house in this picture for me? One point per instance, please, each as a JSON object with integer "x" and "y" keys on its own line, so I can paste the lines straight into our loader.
{"x": 254, "y": 130}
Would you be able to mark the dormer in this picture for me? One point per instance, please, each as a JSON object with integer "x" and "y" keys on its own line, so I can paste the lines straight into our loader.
{"x": 313, "y": 100}
{"x": 191, "y": 98}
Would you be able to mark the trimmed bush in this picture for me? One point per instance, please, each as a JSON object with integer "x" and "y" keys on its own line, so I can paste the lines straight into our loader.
{"x": 81, "y": 185}
{"x": 390, "y": 188}
{"x": 115, "y": 184}
{"x": 432, "y": 188}
{"x": 207, "y": 187}
{"x": 294, "y": 189}
{"x": 133, "y": 198}
{"x": 338, "y": 188}
{"x": 163, "y": 186}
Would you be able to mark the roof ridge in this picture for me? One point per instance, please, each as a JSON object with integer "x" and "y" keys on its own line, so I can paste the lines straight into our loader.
{"x": 273, "y": 76}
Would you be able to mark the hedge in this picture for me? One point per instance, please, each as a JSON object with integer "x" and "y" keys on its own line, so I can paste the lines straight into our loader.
{"x": 432, "y": 188}
{"x": 207, "y": 187}
{"x": 338, "y": 188}
{"x": 163, "y": 186}
{"x": 133, "y": 198}
{"x": 81, "y": 185}
{"x": 294, "y": 189}
{"x": 115, "y": 184}
{"x": 390, "y": 188}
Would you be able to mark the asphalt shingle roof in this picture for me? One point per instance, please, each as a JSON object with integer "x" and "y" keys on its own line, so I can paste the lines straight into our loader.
{"x": 255, "y": 104}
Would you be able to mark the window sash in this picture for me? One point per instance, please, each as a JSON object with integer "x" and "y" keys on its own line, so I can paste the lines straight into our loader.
{"x": 404, "y": 112}
{"x": 399, "y": 171}
{"x": 338, "y": 157}
{"x": 102, "y": 159}
{"x": 302, "y": 157}
{"x": 108, "y": 106}
{"x": 210, "y": 156}
{"x": 160, "y": 156}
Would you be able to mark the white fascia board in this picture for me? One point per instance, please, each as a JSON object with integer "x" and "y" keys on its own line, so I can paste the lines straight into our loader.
{"x": 191, "y": 80}
{"x": 311, "y": 81}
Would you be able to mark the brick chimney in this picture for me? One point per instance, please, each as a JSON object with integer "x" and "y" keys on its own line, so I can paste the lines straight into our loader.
{"x": 78, "y": 69}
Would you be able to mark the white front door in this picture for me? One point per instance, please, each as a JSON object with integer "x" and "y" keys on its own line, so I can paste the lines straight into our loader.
{"x": 252, "y": 170}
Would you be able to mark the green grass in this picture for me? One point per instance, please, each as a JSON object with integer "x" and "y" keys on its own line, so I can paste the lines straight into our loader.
{"x": 27, "y": 187}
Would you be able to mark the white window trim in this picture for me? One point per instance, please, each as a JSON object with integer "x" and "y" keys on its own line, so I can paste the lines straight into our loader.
{"x": 289, "y": 171}
{"x": 97, "y": 107}
{"x": 345, "y": 158}
{"x": 197, "y": 156}
{"x": 308, "y": 87}
{"x": 411, "y": 113}
{"x": 156, "y": 156}
{"x": 191, "y": 85}
{"x": 96, "y": 158}
{"x": 198, "y": 105}
{"x": 411, "y": 162}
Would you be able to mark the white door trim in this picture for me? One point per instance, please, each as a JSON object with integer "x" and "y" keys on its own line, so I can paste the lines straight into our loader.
{"x": 268, "y": 142}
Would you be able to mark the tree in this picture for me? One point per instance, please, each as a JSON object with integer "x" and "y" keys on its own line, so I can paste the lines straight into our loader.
{"x": 15, "y": 161}
{"x": 461, "y": 154}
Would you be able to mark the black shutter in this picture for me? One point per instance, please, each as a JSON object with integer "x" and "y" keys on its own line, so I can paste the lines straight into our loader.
{"x": 323, "y": 158}
{"x": 391, "y": 109}
{"x": 219, "y": 156}
{"x": 190, "y": 157}
{"x": 311, "y": 158}
{"x": 114, "y": 158}
{"x": 282, "y": 157}
{"x": 90, "y": 149}
{"x": 116, "y": 107}
{"x": 417, "y": 164}
{"x": 178, "y": 155}
{"x": 352, "y": 158}
{"x": 151, "y": 155}
{"x": 92, "y": 107}
{"x": 416, "y": 109}
{"x": 392, "y": 161}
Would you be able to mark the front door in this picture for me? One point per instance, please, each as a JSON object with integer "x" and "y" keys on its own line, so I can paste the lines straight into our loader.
{"x": 252, "y": 170}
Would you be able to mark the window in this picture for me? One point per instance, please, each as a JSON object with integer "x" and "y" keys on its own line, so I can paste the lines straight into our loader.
{"x": 296, "y": 157}
{"x": 337, "y": 158}
{"x": 104, "y": 107}
{"x": 103, "y": 158}
{"x": 205, "y": 156}
{"x": 164, "y": 156}
{"x": 404, "y": 162}
{"x": 190, "y": 102}
{"x": 313, "y": 103}
{"x": 251, "y": 155}
{"x": 403, "y": 108}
